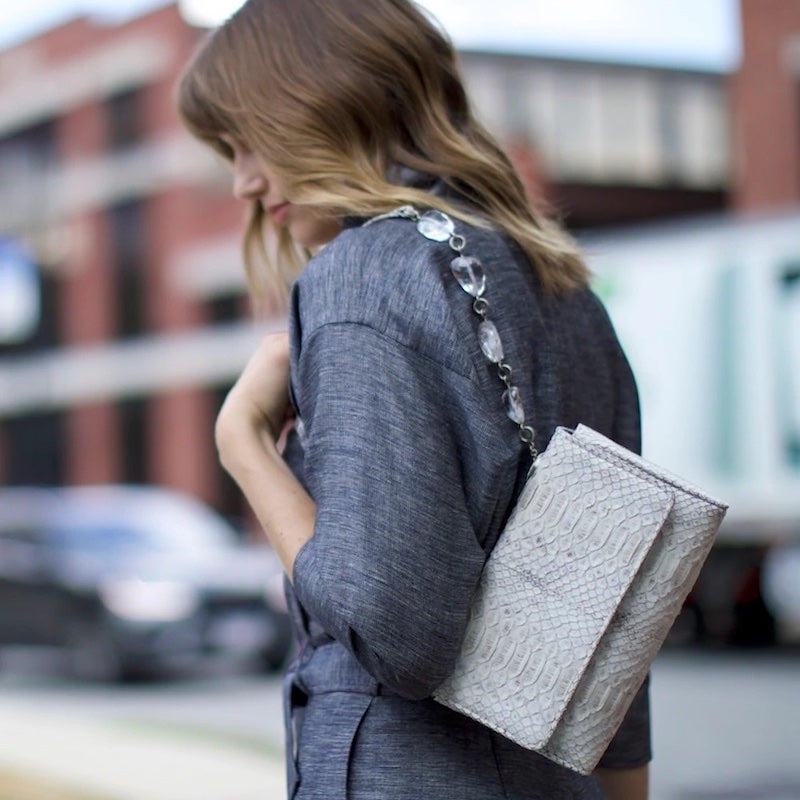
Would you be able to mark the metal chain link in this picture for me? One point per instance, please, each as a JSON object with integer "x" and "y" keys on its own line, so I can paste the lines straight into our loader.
{"x": 480, "y": 305}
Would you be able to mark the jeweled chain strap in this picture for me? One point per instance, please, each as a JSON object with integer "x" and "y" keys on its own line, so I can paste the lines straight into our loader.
{"x": 468, "y": 271}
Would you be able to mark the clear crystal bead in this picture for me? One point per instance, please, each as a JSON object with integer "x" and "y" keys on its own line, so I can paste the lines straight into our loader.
{"x": 490, "y": 341}
{"x": 436, "y": 226}
{"x": 469, "y": 274}
{"x": 513, "y": 404}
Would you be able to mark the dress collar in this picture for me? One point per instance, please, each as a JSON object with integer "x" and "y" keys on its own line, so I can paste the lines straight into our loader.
{"x": 414, "y": 179}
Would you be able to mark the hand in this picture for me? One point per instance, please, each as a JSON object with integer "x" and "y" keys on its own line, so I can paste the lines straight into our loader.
{"x": 258, "y": 404}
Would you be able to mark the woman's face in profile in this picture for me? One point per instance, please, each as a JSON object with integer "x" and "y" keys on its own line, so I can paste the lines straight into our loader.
{"x": 256, "y": 180}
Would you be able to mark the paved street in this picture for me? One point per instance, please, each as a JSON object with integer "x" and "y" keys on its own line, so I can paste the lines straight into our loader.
{"x": 214, "y": 736}
{"x": 217, "y": 701}
{"x": 727, "y": 727}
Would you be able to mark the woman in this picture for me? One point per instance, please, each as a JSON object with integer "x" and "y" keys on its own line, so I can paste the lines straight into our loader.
{"x": 402, "y": 466}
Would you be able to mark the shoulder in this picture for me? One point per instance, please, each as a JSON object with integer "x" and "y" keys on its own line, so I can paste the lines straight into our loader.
{"x": 390, "y": 261}
{"x": 386, "y": 277}
{"x": 382, "y": 260}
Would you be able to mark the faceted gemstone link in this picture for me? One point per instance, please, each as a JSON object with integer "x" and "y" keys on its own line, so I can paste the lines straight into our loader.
{"x": 491, "y": 343}
{"x": 513, "y": 404}
{"x": 469, "y": 274}
{"x": 436, "y": 226}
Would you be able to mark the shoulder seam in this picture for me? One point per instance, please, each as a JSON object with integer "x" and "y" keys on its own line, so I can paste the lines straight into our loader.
{"x": 470, "y": 375}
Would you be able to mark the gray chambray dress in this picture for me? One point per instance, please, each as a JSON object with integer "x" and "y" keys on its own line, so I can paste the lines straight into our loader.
{"x": 404, "y": 445}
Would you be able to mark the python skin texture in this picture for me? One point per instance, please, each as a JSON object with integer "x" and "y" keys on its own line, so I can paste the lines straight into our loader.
{"x": 578, "y": 596}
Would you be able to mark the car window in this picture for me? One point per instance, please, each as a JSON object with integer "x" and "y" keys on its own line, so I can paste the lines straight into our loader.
{"x": 21, "y": 549}
{"x": 100, "y": 538}
{"x": 25, "y": 535}
{"x": 113, "y": 538}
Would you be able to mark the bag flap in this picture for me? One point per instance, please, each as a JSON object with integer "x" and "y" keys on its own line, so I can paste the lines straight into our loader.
{"x": 610, "y": 449}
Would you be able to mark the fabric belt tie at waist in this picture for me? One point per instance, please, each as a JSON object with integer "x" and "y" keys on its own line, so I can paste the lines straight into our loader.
{"x": 313, "y": 684}
{"x": 331, "y": 668}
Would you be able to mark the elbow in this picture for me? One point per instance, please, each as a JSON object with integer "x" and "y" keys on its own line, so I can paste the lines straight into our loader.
{"x": 415, "y": 684}
{"x": 408, "y": 642}
{"x": 412, "y": 670}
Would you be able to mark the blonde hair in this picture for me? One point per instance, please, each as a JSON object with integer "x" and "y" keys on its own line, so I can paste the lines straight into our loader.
{"x": 336, "y": 95}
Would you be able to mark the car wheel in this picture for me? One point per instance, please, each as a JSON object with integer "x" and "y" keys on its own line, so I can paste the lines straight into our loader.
{"x": 92, "y": 654}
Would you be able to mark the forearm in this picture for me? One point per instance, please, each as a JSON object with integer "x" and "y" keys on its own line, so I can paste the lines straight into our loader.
{"x": 281, "y": 505}
{"x": 624, "y": 784}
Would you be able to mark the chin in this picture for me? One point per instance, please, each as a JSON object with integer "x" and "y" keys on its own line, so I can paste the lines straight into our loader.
{"x": 314, "y": 234}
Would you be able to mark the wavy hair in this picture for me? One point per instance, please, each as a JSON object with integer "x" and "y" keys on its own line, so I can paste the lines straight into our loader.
{"x": 337, "y": 95}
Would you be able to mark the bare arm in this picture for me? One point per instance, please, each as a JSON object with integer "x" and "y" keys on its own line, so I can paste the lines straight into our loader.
{"x": 247, "y": 428}
{"x": 624, "y": 784}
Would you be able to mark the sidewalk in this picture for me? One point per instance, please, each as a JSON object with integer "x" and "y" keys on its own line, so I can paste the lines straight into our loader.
{"x": 725, "y": 726}
{"x": 47, "y": 756}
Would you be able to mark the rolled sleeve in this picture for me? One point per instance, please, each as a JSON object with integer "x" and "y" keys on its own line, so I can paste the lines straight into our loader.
{"x": 394, "y": 561}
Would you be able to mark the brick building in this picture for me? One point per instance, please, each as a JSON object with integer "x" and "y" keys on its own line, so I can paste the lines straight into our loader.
{"x": 110, "y": 198}
{"x": 138, "y": 319}
{"x": 766, "y": 97}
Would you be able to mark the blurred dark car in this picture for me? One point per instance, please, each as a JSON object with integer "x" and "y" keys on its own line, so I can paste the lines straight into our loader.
{"x": 134, "y": 581}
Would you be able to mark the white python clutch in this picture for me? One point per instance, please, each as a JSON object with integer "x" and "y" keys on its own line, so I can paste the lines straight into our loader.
{"x": 578, "y": 596}
{"x": 586, "y": 579}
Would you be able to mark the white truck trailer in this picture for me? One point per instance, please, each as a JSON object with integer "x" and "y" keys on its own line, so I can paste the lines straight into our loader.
{"x": 708, "y": 310}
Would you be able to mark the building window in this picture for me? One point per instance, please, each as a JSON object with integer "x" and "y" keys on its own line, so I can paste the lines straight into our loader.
{"x": 700, "y": 157}
{"x": 32, "y": 149}
{"x": 33, "y": 449}
{"x": 576, "y": 125}
{"x": 225, "y": 308}
{"x": 127, "y": 236}
{"x": 27, "y": 159}
{"x": 34, "y": 442}
{"x": 485, "y": 83}
{"x": 133, "y": 417}
{"x": 124, "y": 120}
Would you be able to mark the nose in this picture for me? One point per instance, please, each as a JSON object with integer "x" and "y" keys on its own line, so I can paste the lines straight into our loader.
{"x": 249, "y": 181}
